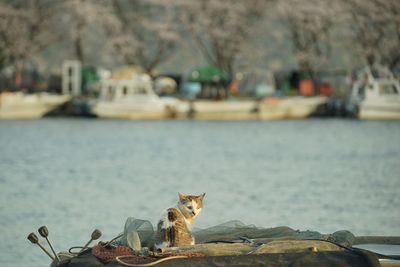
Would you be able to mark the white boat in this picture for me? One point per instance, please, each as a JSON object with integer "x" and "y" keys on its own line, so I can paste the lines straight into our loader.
{"x": 223, "y": 110}
{"x": 296, "y": 107}
{"x": 375, "y": 95}
{"x": 135, "y": 99}
{"x": 270, "y": 108}
{"x": 18, "y": 105}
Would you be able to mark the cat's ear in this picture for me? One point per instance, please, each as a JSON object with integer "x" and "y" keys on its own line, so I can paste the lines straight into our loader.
{"x": 182, "y": 196}
{"x": 202, "y": 196}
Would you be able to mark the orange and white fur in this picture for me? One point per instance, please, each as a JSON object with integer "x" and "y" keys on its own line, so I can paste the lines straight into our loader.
{"x": 175, "y": 227}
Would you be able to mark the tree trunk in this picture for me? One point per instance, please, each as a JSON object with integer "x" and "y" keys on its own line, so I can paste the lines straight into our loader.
{"x": 79, "y": 49}
{"x": 305, "y": 67}
{"x": 78, "y": 43}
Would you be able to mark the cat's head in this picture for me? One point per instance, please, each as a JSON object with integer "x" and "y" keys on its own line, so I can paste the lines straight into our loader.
{"x": 190, "y": 206}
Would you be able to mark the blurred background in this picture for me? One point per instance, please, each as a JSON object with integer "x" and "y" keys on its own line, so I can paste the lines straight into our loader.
{"x": 284, "y": 112}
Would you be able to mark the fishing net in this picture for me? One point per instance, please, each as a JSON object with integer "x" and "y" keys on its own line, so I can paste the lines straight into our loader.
{"x": 108, "y": 255}
{"x": 229, "y": 244}
{"x": 233, "y": 230}
{"x": 143, "y": 228}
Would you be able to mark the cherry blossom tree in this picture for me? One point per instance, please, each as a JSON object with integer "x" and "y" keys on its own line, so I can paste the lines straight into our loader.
{"x": 25, "y": 29}
{"x": 77, "y": 16}
{"x": 147, "y": 34}
{"x": 309, "y": 24}
{"x": 10, "y": 29}
{"x": 232, "y": 35}
{"x": 375, "y": 25}
{"x": 221, "y": 29}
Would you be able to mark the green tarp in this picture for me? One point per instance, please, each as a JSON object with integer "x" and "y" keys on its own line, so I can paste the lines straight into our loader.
{"x": 208, "y": 74}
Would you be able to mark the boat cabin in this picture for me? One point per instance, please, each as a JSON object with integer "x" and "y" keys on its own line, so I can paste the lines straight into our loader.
{"x": 138, "y": 87}
{"x": 375, "y": 82}
{"x": 375, "y": 95}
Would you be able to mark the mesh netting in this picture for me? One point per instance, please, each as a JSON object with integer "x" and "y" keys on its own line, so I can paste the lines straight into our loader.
{"x": 232, "y": 230}
{"x": 143, "y": 228}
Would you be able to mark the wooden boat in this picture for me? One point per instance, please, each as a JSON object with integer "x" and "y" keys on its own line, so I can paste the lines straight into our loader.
{"x": 277, "y": 252}
{"x": 225, "y": 245}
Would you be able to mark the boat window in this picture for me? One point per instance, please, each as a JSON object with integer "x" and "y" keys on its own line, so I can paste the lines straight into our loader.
{"x": 376, "y": 74}
{"x": 125, "y": 90}
{"x": 141, "y": 90}
{"x": 388, "y": 89}
{"x": 361, "y": 91}
{"x": 109, "y": 92}
{"x": 380, "y": 73}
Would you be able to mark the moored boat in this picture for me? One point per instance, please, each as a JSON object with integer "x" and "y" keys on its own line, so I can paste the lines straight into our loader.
{"x": 135, "y": 99}
{"x": 270, "y": 108}
{"x": 375, "y": 95}
{"x": 231, "y": 244}
{"x": 224, "y": 110}
{"x": 18, "y": 105}
{"x": 273, "y": 108}
{"x": 283, "y": 251}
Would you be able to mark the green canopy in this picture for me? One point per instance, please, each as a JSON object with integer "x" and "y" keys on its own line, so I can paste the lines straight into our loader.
{"x": 89, "y": 76}
{"x": 208, "y": 74}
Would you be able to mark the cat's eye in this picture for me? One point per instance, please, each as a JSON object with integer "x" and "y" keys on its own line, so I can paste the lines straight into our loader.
{"x": 190, "y": 207}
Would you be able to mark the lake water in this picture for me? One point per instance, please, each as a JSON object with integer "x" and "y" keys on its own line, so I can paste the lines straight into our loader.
{"x": 75, "y": 175}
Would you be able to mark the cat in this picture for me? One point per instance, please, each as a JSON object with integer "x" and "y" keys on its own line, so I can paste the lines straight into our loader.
{"x": 175, "y": 227}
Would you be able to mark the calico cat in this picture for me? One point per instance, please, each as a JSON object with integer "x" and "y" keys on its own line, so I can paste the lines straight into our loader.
{"x": 175, "y": 228}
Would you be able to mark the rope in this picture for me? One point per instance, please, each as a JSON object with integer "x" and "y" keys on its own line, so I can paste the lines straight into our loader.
{"x": 112, "y": 240}
{"x": 118, "y": 259}
{"x": 77, "y": 247}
